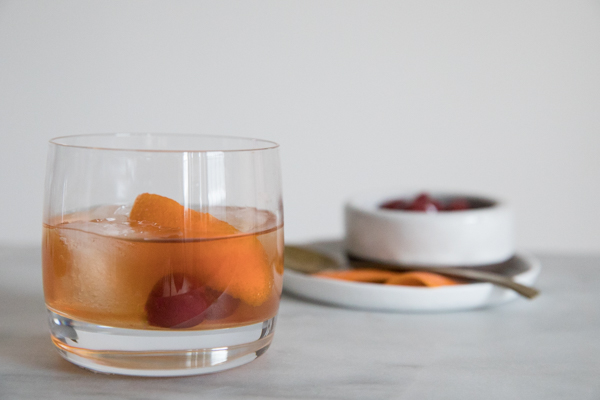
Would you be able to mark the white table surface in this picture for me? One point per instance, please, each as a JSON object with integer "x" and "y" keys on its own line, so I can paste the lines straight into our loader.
{"x": 548, "y": 348}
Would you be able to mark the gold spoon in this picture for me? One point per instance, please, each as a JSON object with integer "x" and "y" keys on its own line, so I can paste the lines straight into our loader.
{"x": 308, "y": 261}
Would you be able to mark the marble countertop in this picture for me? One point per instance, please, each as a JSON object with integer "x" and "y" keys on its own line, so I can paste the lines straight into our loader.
{"x": 548, "y": 348}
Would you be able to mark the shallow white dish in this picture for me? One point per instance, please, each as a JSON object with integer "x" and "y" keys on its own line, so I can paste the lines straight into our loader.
{"x": 378, "y": 297}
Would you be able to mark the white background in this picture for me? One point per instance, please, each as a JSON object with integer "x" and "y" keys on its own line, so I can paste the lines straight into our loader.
{"x": 495, "y": 97}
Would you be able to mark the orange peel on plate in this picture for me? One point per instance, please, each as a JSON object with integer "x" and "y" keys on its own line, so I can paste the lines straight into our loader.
{"x": 420, "y": 278}
{"x": 358, "y": 275}
{"x": 227, "y": 260}
{"x": 414, "y": 278}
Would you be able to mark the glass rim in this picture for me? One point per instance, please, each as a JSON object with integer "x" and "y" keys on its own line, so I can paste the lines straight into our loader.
{"x": 261, "y": 144}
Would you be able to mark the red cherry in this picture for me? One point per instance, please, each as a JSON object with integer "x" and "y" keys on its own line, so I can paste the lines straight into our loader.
{"x": 395, "y": 205}
{"x": 424, "y": 203}
{"x": 177, "y": 301}
{"x": 221, "y": 306}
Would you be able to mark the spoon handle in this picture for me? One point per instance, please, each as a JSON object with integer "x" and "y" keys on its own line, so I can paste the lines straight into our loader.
{"x": 468, "y": 273}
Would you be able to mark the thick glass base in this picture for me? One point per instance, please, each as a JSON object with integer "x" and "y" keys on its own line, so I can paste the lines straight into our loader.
{"x": 158, "y": 353}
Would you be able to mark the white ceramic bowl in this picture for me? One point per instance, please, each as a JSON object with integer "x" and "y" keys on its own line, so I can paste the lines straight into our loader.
{"x": 471, "y": 237}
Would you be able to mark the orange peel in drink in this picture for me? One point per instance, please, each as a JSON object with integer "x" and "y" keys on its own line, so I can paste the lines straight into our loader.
{"x": 221, "y": 256}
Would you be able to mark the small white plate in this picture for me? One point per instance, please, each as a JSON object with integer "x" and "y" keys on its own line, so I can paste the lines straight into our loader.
{"x": 378, "y": 297}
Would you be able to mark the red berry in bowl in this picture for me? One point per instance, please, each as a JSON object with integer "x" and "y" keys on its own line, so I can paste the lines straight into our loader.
{"x": 395, "y": 205}
{"x": 425, "y": 203}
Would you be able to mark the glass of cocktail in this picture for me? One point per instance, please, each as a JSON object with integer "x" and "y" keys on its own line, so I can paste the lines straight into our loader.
{"x": 162, "y": 253}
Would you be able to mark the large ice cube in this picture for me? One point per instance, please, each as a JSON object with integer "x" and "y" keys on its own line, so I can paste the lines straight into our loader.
{"x": 245, "y": 219}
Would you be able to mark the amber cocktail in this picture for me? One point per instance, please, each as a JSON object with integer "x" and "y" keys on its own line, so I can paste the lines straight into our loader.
{"x": 183, "y": 277}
